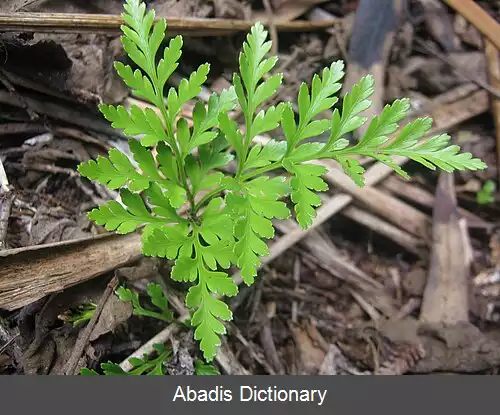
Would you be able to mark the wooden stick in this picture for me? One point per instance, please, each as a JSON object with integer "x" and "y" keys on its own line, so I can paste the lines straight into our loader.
{"x": 110, "y": 24}
{"x": 409, "y": 242}
{"x": 22, "y": 128}
{"x": 493, "y": 59}
{"x": 394, "y": 210}
{"x": 422, "y": 197}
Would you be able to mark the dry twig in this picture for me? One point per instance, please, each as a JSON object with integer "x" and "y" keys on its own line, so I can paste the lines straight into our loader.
{"x": 110, "y": 24}
{"x": 71, "y": 367}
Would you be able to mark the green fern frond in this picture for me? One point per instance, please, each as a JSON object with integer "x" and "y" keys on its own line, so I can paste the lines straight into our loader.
{"x": 228, "y": 217}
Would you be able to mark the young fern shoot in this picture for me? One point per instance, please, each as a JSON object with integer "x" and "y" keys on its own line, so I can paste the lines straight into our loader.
{"x": 229, "y": 217}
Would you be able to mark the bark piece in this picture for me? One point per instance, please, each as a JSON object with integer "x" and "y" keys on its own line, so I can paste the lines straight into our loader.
{"x": 30, "y": 273}
{"x": 446, "y": 292}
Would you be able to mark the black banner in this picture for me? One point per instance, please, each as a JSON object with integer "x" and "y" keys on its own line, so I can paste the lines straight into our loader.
{"x": 390, "y": 395}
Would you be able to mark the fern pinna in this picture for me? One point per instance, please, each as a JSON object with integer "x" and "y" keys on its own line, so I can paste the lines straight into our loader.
{"x": 229, "y": 216}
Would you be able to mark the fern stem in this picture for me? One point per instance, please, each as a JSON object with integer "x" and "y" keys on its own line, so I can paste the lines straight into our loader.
{"x": 153, "y": 314}
{"x": 205, "y": 199}
{"x": 178, "y": 156}
{"x": 248, "y": 139}
{"x": 153, "y": 74}
{"x": 261, "y": 170}
{"x": 150, "y": 364}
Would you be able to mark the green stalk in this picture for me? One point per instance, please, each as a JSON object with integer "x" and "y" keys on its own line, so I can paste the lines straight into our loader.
{"x": 153, "y": 314}
{"x": 246, "y": 142}
{"x": 207, "y": 198}
{"x": 150, "y": 364}
{"x": 262, "y": 170}
{"x": 170, "y": 130}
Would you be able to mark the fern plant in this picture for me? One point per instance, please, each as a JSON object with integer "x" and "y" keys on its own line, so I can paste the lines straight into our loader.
{"x": 487, "y": 193}
{"x": 229, "y": 216}
{"x": 145, "y": 365}
{"x": 158, "y": 299}
{"x": 141, "y": 366}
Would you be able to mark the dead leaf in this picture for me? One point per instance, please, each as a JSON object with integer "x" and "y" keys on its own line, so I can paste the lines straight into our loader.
{"x": 145, "y": 268}
{"x": 439, "y": 24}
{"x": 286, "y": 10}
{"x": 54, "y": 225}
{"x": 114, "y": 313}
{"x": 311, "y": 347}
{"x": 232, "y": 9}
